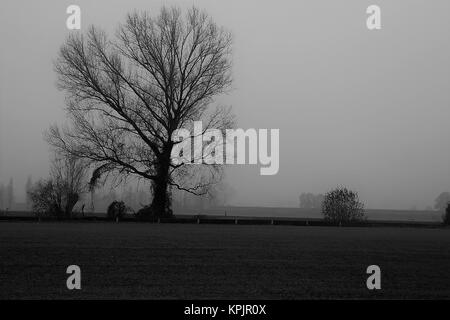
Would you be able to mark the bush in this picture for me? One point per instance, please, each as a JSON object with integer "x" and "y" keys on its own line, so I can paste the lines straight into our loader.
{"x": 144, "y": 213}
{"x": 342, "y": 205}
{"x": 446, "y": 216}
{"x": 116, "y": 209}
{"x": 148, "y": 213}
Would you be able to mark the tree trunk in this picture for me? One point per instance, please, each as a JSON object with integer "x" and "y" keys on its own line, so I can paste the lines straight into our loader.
{"x": 161, "y": 204}
{"x": 161, "y": 200}
{"x": 72, "y": 199}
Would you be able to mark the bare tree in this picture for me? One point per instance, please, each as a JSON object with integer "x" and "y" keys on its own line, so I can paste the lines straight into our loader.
{"x": 58, "y": 195}
{"x": 28, "y": 187}
{"x": 127, "y": 96}
{"x": 69, "y": 176}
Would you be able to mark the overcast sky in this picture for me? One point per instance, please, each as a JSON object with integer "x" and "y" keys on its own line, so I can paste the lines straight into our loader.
{"x": 365, "y": 109}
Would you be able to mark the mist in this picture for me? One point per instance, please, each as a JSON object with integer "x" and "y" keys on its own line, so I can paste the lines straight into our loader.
{"x": 368, "y": 110}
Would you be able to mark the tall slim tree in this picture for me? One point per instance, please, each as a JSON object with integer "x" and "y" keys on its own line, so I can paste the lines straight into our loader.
{"x": 127, "y": 96}
{"x": 10, "y": 194}
{"x": 28, "y": 187}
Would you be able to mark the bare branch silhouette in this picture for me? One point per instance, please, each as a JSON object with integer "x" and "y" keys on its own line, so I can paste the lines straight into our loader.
{"x": 127, "y": 96}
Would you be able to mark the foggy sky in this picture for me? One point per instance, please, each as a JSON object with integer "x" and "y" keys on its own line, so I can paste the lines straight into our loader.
{"x": 365, "y": 109}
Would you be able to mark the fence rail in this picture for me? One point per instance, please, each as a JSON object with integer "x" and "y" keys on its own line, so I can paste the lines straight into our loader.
{"x": 214, "y": 219}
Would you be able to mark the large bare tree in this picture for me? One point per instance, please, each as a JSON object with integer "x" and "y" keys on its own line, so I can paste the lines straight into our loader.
{"x": 126, "y": 97}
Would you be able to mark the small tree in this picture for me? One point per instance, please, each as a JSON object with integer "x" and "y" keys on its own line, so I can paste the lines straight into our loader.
{"x": 58, "y": 195}
{"x": 440, "y": 203}
{"x": 69, "y": 175}
{"x": 342, "y": 205}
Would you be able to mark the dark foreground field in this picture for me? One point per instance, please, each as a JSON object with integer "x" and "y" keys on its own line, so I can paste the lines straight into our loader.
{"x": 177, "y": 261}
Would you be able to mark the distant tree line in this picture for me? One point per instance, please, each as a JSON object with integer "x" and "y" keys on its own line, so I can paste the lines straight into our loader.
{"x": 311, "y": 201}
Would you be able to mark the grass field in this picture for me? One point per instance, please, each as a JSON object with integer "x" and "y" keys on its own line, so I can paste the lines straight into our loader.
{"x": 178, "y": 261}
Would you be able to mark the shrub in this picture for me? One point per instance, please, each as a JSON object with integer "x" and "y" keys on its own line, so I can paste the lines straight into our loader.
{"x": 144, "y": 213}
{"x": 45, "y": 199}
{"x": 116, "y": 209}
{"x": 342, "y": 205}
{"x": 147, "y": 213}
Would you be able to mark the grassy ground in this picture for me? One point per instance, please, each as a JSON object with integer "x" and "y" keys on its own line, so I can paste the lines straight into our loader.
{"x": 130, "y": 260}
